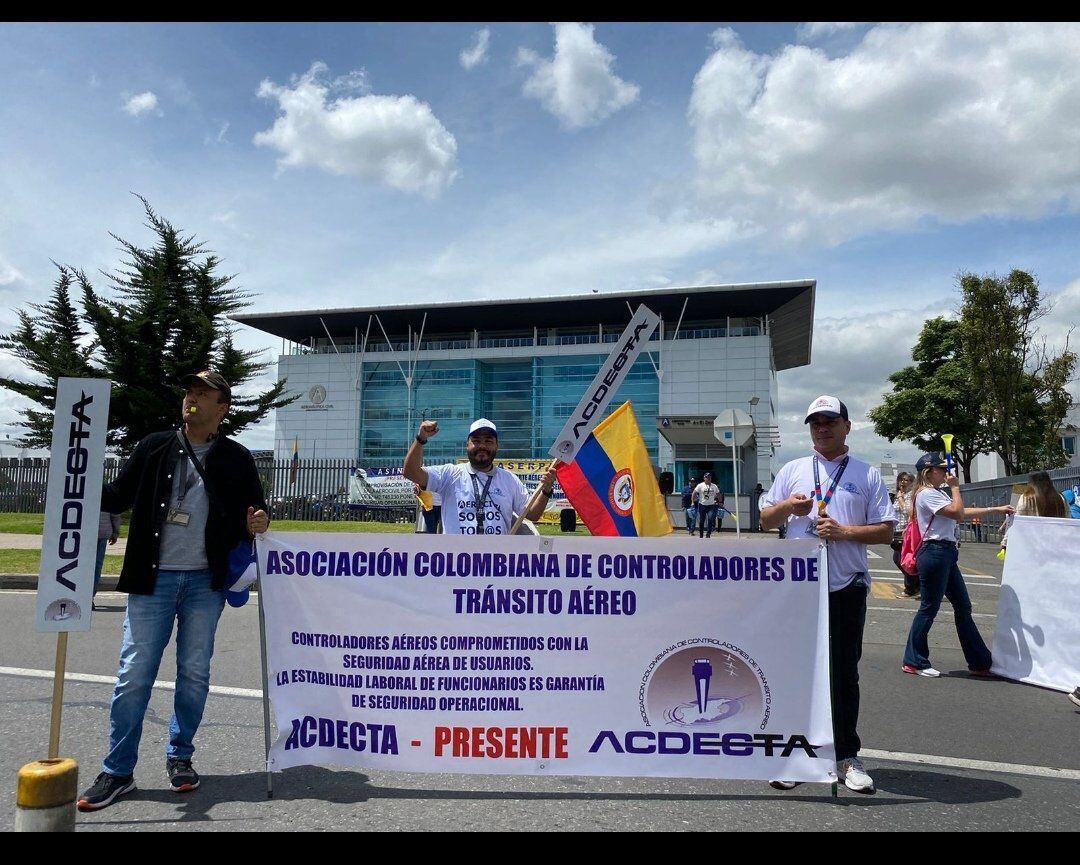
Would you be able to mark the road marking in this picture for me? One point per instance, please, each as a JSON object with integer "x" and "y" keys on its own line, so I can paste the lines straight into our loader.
{"x": 979, "y": 765}
{"x": 111, "y": 680}
{"x": 892, "y": 756}
{"x": 966, "y": 582}
{"x": 910, "y": 610}
{"x": 871, "y": 554}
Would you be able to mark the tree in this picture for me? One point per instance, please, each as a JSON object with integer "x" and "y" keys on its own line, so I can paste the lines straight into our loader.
{"x": 1020, "y": 382}
{"x": 935, "y": 396}
{"x": 53, "y": 344}
{"x": 165, "y": 317}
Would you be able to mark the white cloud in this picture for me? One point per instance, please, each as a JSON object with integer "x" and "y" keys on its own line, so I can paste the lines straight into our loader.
{"x": 577, "y": 85}
{"x": 218, "y": 138}
{"x": 8, "y": 273}
{"x": 142, "y": 103}
{"x": 394, "y": 140}
{"x": 940, "y": 120}
{"x": 815, "y": 30}
{"x": 476, "y": 53}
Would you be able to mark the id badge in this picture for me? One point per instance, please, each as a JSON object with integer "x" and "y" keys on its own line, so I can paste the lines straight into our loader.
{"x": 811, "y": 530}
{"x": 177, "y": 517}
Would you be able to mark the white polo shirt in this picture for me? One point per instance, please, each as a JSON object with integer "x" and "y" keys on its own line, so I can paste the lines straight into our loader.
{"x": 458, "y": 485}
{"x": 860, "y": 499}
{"x": 932, "y": 525}
{"x": 707, "y": 493}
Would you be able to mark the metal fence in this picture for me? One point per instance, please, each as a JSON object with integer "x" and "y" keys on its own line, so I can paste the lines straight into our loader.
{"x": 983, "y": 494}
{"x": 319, "y": 491}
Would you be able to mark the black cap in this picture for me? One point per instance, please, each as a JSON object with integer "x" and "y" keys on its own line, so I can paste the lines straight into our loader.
{"x": 929, "y": 461}
{"x": 210, "y": 379}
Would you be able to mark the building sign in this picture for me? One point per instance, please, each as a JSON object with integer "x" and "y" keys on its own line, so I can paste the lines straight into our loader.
{"x": 316, "y": 400}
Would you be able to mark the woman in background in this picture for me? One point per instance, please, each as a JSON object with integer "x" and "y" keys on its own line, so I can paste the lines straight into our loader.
{"x": 938, "y": 511}
{"x": 1039, "y": 499}
{"x": 902, "y": 505}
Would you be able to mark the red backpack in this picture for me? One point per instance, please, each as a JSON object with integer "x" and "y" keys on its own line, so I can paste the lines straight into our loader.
{"x": 912, "y": 540}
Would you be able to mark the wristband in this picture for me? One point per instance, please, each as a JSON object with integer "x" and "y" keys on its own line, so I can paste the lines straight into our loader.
{"x": 421, "y": 441}
{"x": 547, "y": 493}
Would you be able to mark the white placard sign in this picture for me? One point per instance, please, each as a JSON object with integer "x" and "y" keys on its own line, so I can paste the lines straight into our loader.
{"x": 550, "y": 656}
{"x": 591, "y": 409}
{"x": 72, "y": 505}
{"x": 1037, "y": 633}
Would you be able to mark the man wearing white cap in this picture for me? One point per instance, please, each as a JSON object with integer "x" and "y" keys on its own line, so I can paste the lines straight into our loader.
{"x": 842, "y": 500}
{"x": 478, "y": 498}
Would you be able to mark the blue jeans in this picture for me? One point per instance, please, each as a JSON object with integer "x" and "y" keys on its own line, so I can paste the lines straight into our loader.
{"x": 706, "y": 517}
{"x": 940, "y": 577}
{"x": 101, "y": 545}
{"x": 185, "y": 596}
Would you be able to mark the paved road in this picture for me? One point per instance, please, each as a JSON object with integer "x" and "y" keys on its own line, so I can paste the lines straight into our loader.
{"x": 953, "y": 722}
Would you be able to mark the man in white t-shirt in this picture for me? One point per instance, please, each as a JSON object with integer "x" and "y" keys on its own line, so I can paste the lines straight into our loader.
{"x": 842, "y": 500}
{"x": 478, "y": 498}
{"x": 706, "y": 497}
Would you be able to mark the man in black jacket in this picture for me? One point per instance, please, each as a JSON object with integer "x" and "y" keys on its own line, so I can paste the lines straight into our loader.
{"x": 193, "y": 495}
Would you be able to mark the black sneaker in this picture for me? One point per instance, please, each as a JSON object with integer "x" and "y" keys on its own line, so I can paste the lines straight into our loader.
{"x": 182, "y": 775}
{"x": 105, "y": 788}
{"x": 1075, "y": 696}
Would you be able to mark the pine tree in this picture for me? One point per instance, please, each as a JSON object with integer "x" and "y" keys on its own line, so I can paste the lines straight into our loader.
{"x": 164, "y": 317}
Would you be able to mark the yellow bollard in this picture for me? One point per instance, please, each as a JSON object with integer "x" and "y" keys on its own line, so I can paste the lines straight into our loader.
{"x": 46, "y": 796}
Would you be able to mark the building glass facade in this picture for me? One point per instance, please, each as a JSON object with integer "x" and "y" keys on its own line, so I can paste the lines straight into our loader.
{"x": 529, "y": 401}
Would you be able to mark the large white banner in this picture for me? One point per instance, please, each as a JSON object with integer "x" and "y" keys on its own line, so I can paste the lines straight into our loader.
{"x": 1037, "y": 638}
{"x": 562, "y": 656}
{"x": 72, "y": 505}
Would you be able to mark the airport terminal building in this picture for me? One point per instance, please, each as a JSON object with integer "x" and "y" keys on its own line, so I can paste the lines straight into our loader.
{"x": 366, "y": 377}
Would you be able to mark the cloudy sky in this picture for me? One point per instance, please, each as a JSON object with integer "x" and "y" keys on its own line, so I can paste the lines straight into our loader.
{"x": 337, "y": 165}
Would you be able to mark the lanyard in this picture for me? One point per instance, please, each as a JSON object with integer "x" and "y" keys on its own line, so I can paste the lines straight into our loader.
{"x": 823, "y": 502}
{"x": 481, "y": 497}
{"x": 186, "y": 483}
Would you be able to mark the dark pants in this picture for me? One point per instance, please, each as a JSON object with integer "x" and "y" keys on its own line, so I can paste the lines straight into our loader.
{"x": 847, "y": 617}
{"x": 706, "y": 515}
{"x": 941, "y": 578}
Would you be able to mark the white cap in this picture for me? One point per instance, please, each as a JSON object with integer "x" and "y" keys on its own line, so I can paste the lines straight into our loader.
{"x": 483, "y": 424}
{"x": 829, "y": 406}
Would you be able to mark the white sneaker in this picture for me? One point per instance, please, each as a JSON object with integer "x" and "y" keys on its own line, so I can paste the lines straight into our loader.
{"x": 854, "y": 776}
{"x": 784, "y": 785}
{"x": 929, "y": 672}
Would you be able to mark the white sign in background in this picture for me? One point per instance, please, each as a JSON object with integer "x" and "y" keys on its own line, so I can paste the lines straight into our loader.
{"x": 552, "y": 656}
{"x": 1037, "y": 635}
{"x": 72, "y": 505}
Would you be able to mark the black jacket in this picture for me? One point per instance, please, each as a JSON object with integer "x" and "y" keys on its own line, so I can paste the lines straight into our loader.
{"x": 144, "y": 486}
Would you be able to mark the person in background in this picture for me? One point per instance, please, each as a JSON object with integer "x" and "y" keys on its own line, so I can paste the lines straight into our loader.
{"x": 1074, "y": 505}
{"x": 902, "y": 505}
{"x": 1039, "y": 499}
{"x": 108, "y": 533}
{"x": 688, "y": 504}
{"x": 938, "y": 511}
{"x": 755, "y": 508}
{"x": 705, "y": 497}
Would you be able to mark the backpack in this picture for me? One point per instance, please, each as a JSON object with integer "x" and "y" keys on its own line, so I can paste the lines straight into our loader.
{"x": 912, "y": 540}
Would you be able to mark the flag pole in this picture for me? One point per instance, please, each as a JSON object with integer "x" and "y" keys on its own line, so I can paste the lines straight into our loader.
{"x": 532, "y": 500}
{"x": 265, "y": 677}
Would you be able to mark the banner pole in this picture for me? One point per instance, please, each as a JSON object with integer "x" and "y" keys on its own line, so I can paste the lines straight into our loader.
{"x": 828, "y": 625}
{"x": 531, "y": 501}
{"x": 265, "y": 678}
{"x": 58, "y": 694}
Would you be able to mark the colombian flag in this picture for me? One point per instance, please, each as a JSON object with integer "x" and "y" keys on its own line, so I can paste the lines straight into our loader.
{"x": 295, "y": 466}
{"x": 611, "y": 482}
